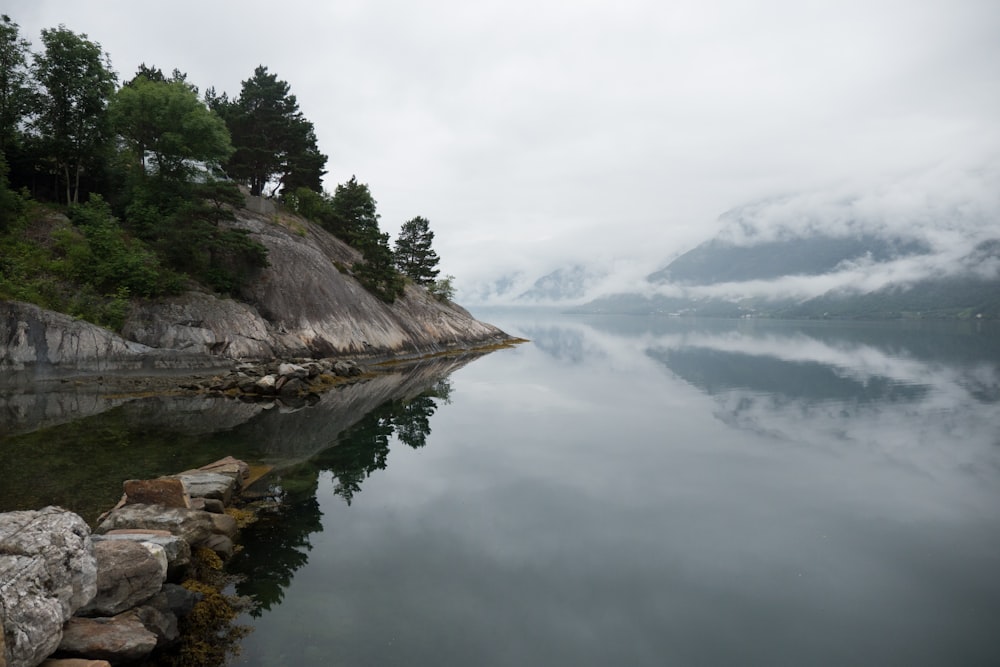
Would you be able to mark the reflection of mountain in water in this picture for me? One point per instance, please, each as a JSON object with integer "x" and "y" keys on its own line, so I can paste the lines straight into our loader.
{"x": 715, "y": 371}
{"x": 820, "y": 387}
{"x": 562, "y": 343}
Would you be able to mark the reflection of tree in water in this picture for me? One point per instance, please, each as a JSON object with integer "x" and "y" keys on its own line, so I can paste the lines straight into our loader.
{"x": 364, "y": 448}
{"x": 277, "y": 545}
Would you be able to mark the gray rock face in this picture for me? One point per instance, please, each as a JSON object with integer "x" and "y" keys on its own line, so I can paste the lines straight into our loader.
{"x": 47, "y": 572}
{"x": 46, "y": 342}
{"x": 303, "y": 306}
{"x": 128, "y": 574}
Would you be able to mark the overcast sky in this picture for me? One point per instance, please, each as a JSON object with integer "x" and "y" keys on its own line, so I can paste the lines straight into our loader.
{"x": 532, "y": 134}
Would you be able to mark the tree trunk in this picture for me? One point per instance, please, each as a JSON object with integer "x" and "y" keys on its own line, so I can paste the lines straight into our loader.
{"x": 66, "y": 174}
{"x": 76, "y": 186}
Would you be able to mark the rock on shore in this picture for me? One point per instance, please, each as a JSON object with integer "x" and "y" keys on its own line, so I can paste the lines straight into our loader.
{"x": 110, "y": 596}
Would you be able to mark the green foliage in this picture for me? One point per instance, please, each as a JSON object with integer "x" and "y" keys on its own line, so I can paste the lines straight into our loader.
{"x": 377, "y": 272}
{"x": 355, "y": 217}
{"x": 443, "y": 289}
{"x": 166, "y": 121}
{"x": 110, "y": 261}
{"x": 17, "y": 98}
{"x": 313, "y": 206}
{"x": 77, "y": 81}
{"x": 197, "y": 239}
{"x": 11, "y": 205}
{"x": 273, "y": 140}
{"x": 415, "y": 258}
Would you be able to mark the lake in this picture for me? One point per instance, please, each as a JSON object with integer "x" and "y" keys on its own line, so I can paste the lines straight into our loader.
{"x": 618, "y": 491}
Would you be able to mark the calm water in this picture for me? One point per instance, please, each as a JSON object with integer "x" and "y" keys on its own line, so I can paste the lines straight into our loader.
{"x": 619, "y": 491}
{"x": 656, "y": 492}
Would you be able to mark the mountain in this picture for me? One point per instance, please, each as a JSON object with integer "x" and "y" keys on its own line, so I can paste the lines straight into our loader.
{"x": 890, "y": 254}
{"x": 720, "y": 261}
{"x": 562, "y": 284}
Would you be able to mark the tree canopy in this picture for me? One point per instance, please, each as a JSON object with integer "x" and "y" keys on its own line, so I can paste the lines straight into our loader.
{"x": 77, "y": 83}
{"x": 274, "y": 142}
{"x": 140, "y": 221}
{"x": 166, "y": 121}
{"x": 415, "y": 257}
{"x": 17, "y": 96}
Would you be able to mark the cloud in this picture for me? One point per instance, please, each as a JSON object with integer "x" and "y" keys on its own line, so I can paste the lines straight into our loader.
{"x": 535, "y": 134}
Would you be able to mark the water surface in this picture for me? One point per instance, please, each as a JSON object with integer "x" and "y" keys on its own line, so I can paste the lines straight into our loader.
{"x": 638, "y": 491}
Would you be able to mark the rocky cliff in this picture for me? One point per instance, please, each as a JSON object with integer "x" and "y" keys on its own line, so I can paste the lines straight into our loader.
{"x": 305, "y": 304}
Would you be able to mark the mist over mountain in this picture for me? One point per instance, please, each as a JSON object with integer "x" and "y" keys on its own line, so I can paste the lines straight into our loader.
{"x": 925, "y": 246}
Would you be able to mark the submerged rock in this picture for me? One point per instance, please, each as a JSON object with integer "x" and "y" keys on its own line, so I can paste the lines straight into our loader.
{"x": 47, "y": 572}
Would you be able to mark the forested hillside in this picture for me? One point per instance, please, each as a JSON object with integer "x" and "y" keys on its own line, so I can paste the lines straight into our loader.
{"x": 114, "y": 191}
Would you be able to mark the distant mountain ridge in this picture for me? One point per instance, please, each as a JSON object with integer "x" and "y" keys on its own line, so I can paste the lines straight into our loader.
{"x": 720, "y": 261}
{"x": 902, "y": 251}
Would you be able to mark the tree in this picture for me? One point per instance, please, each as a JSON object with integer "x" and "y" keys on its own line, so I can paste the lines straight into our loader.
{"x": 354, "y": 213}
{"x": 414, "y": 256}
{"x": 273, "y": 141}
{"x": 443, "y": 289}
{"x": 16, "y": 90}
{"x": 77, "y": 82}
{"x": 165, "y": 120}
{"x": 377, "y": 272}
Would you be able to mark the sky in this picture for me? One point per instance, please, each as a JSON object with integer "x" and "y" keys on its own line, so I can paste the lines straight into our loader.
{"x": 614, "y": 133}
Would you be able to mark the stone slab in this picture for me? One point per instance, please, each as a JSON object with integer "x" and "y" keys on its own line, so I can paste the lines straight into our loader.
{"x": 165, "y": 491}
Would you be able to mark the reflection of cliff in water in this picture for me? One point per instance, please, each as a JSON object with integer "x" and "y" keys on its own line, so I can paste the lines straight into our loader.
{"x": 276, "y": 546}
{"x": 80, "y": 463}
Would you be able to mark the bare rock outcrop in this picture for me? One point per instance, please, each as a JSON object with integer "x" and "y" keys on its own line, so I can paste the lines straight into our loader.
{"x": 306, "y": 304}
{"x": 47, "y": 572}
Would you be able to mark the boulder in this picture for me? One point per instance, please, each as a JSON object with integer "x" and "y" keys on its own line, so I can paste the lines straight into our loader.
{"x": 163, "y": 491}
{"x": 121, "y": 638}
{"x": 128, "y": 574}
{"x": 233, "y": 467}
{"x": 266, "y": 385}
{"x": 74, "y": 662}
{"x": 209, "y": 505}
{"x": 208, "y": 485}
{"x": 220, "y": 544}
{"x": 191, "y": 525}
{"x": 161, "y": 623}
{"x": 47, "y": 572}
{"x": 293, "y": 371}
{"x": 224, "y": 525}
{"x": 176, "y": 549}
{"x": 175, "y": 599}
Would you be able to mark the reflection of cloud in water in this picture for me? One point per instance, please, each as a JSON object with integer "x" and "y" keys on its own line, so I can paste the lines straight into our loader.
{"x": 803, "y": 390}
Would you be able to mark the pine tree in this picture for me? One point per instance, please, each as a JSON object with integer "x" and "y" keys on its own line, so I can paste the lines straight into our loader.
{"x": 414, "y": 256}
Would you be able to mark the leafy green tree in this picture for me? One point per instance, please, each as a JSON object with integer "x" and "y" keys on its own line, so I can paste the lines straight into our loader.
{"x": 443, "y": 289}
{"x": 273, "y": 140}
{"x": 17, "y": 95}
{"x": 77, "y": 82}
{"x": 166, "y": 121}
{"x": 414, "y": 256}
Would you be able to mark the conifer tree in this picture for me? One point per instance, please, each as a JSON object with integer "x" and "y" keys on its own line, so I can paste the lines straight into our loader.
{"x": 414, "y": 256}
